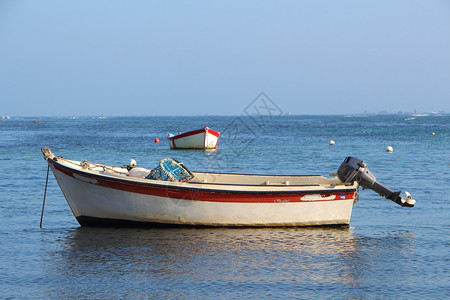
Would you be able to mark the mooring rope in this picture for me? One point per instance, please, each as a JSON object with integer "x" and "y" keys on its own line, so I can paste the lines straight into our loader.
{"x": 45, "y": 193}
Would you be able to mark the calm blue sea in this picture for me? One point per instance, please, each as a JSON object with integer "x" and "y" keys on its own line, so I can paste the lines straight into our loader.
{"x": 387, "y": 252}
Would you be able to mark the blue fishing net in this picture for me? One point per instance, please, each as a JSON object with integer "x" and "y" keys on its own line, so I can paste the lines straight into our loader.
{"x": 170, "y": 170}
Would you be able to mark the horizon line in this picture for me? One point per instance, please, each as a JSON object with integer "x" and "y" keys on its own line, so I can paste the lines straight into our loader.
{"x": 212, "y": 115}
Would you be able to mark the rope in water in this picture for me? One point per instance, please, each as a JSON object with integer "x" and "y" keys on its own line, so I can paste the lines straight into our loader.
{"x": 45, "y": 194}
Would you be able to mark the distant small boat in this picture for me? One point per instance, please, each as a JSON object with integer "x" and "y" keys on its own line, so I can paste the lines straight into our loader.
{"x": 204, "y": 138}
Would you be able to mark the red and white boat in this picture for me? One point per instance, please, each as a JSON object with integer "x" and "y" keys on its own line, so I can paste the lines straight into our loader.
{"x": 112, "y": 196}
{"x": 204, "y": 138}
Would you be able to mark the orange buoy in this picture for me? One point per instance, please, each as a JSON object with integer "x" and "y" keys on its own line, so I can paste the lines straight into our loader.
{"x": 156, "y": 140}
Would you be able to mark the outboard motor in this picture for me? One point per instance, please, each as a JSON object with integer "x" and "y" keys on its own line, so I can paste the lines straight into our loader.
{"x": 353, "y": 169}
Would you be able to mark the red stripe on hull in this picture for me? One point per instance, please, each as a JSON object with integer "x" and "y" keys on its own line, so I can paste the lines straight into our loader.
{"x": 213, "y": 132}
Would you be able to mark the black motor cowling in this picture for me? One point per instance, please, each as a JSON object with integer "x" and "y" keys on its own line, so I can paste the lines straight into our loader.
{"x": 354, "y": 169}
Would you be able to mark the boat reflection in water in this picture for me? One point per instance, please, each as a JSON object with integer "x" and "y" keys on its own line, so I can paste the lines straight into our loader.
{"x": 218, "y": 262}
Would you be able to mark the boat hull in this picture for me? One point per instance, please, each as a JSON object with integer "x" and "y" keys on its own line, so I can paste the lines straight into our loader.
{"x": 198, "y": 139}
{"x": 103, "y": 200}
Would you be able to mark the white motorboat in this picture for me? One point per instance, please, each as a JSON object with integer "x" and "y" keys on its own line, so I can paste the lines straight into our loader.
{"x": 204, "y": 138}
{"x": 105, "y": 195}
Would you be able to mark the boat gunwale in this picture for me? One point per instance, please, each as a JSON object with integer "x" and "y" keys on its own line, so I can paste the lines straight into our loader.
{"x": 176, "y": 185}
{"x": 267, "y": 175}
{"x": 217, "y": 173}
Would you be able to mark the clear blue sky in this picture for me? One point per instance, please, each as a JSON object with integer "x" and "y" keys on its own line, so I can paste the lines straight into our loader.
{"x": 63, "y": 58}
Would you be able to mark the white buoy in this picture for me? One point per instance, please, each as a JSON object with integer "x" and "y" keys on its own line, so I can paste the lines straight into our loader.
{"x": 389, "y": 149}
{"x": 331, "y": 143}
